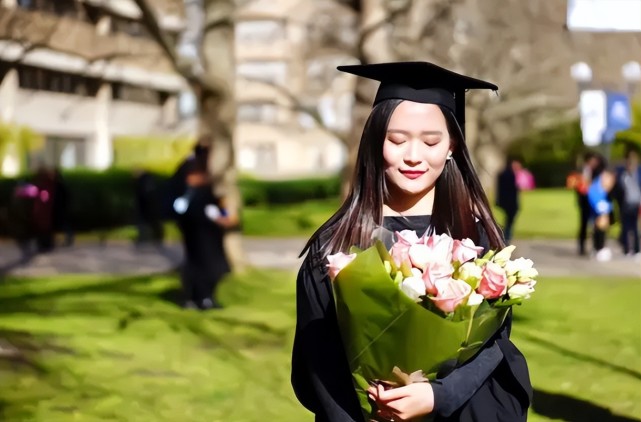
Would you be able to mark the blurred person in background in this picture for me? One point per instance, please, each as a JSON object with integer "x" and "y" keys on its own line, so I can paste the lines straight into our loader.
{"x": 202, "y": 220}
{"x": 628, "y": 195}
{"x": 507, "y": 195}
{"x": 20, "y": 216}
{"x": 148, "y": 211}
{"x": 43, "y": 210}
{"x": 61, "y": 200}
{"x": 580, "y": 182}
{"x": 525, "y": 179}
{"x": 177, "y": 183}
{"x": 598, "y": 195}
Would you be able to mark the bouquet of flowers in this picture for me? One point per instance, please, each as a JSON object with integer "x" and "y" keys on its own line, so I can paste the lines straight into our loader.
{"x": 427, "y": 304}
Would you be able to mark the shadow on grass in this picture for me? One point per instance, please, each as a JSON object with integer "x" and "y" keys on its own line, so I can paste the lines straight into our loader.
{"x": 580, "y": 356}
{"x": 35, "y": 302}
{"x": 570, "y": 409}
{"x": 172, "y": 295}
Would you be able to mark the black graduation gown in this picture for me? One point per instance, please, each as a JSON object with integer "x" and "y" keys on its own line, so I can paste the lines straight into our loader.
{"x": 494, "y": 386}
{"x": 205, "y": 259}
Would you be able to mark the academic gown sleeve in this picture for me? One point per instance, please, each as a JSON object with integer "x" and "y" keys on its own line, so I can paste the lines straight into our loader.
{"x": 493, "y": 387}
{"x": 321, "y": 377}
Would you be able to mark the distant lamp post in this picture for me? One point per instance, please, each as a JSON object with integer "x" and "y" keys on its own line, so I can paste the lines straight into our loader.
{"x": 631, "y": 72}
{"x": 582, "y": 74}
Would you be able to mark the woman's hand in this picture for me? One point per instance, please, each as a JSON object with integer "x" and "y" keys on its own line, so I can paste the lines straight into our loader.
{"x": 404, "y": 403}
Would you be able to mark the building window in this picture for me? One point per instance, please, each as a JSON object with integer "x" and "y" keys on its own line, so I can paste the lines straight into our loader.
{"x": 260, "y": 31}
{"x": 273, "y": 72}
{"x": 260, "y": 157}
{"x": 4, "y": 69}
{"x": 39, "y": 79}
{"x": 129, "y": 26}
{"x": 137, "y": 94}
{"x": 258, "y": 112}
{"x": 58, "y": 7}
{"x": 60, "y": 152}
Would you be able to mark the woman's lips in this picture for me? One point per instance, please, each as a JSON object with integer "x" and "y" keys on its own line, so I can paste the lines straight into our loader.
{"x": 412, "y": 174}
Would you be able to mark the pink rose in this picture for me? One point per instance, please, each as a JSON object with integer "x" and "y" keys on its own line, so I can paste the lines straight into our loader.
{"x": 400, "y": 249}
{"x": 436, "y": 271}
{"x": 494, "y": 281}
{"x": 451, "y": 293}
{"x": 337, "y": 262}
{"x": 441, "y": 247}
{"x": 465, "y": 250}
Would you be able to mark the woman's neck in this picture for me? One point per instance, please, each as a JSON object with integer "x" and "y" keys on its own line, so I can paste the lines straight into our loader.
{"x": 406, "y": 206}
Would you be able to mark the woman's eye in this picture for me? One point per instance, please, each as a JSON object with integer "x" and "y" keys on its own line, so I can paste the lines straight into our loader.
{"x": 396, "y": 141}
{"x": 432, "y": 140}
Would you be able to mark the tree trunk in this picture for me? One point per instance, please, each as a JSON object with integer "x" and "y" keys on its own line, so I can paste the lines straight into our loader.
{"x": 218, "y": 113}
{"x": 373, "y": 47}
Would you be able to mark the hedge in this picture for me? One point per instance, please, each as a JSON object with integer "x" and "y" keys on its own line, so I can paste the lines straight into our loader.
{"x": 102, "y": 200}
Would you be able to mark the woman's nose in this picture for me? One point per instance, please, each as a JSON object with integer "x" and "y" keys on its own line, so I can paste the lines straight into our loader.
{"x": 413, "y": 153}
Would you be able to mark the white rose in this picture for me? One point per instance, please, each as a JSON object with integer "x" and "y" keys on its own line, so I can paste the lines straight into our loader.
{"x": 470, "y": 270}
{"x": 475, "y": 299}
{"x": 504, "y": 255}
{"x": 527, "y": 275}
{"x": 519, "y": 264}
{"x": 417, "y": 273}
{"x": 414, "y": 288}
{"x": 521, "y": 290}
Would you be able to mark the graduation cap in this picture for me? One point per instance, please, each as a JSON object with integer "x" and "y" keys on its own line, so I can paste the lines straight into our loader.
{"x": 421, "y": 82}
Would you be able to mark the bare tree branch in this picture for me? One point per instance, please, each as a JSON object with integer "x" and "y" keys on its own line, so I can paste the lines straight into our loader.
{"x": 298, "y": 105}
{"x": 151, "y": 23}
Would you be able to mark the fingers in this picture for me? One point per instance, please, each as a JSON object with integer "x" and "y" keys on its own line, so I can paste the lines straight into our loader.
{"x": 392, "y": 394}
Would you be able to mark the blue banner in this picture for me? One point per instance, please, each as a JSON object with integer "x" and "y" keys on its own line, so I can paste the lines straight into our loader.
{"x": 618, "y": 115}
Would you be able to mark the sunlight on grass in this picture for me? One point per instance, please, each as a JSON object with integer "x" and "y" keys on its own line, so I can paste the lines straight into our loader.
{"x": 545, "y": 213}
{"x": 106, "y": 349}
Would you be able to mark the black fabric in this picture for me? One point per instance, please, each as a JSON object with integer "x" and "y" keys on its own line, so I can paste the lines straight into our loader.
{"x": 429, "y": 96}
{"x": 507, "y": 195}
{"x": 322, "y": 380}
{"x": 420, "y": 82}
{"x": 205, "y": 260}
{"x": 584, "y": 219}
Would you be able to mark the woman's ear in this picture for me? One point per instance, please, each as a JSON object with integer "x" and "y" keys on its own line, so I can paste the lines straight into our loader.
{"x": 449, "y": 155}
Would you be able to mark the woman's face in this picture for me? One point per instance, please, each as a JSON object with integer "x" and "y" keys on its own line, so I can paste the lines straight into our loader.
{"x": 416, "y": 148}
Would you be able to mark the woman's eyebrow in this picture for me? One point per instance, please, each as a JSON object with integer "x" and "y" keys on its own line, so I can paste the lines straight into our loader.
{"x": 405, "y": 132}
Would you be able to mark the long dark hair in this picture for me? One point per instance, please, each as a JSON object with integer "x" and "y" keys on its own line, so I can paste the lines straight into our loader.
{"x": 459, "y": 199}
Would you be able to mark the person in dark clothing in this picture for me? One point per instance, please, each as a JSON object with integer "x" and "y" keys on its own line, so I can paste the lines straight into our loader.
{"x": 507, "y": 196}
{"x": 413, "y": 171}
{"x": 202, "y": 221}
{"x": 599, "y": 198}
{"x": 149, "y": 219}
{"x": 177, "y": 183}
{"x": 43, "y": 211}
{"x": 580, "y": 182}
{"x": 61, "y": 201}
{"x": 628, "y": 196}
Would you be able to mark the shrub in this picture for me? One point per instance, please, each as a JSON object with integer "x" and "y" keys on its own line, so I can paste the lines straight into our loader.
{"x": 104, "y": 200}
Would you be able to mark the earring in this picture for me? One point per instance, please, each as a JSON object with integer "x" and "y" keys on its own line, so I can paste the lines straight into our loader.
{"x": 449, "y": 156}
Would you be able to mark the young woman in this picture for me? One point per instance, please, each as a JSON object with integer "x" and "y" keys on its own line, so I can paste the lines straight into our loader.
{"x": 413, "y": 171}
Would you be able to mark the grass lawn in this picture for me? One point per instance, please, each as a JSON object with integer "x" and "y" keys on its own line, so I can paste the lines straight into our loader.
{"x": 114, "y": 349}
{"x": 545, "y": 213}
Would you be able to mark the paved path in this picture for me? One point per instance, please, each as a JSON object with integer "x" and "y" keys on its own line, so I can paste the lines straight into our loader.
{"x": 551, "y": 257}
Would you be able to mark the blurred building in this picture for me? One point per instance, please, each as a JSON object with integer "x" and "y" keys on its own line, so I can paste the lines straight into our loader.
{"x": 82, "y": 72}
{"x": 287, "y": 52}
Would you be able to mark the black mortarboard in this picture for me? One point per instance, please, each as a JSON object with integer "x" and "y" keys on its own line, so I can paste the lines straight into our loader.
{"x": 421, "y": 82}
